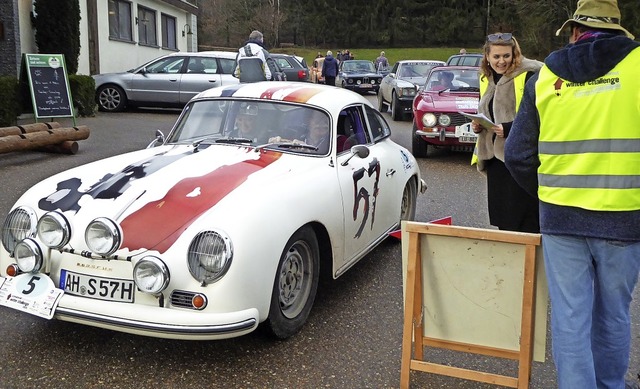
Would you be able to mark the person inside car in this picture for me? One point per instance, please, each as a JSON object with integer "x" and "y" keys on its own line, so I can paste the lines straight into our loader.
{"x": 245, "y": 126}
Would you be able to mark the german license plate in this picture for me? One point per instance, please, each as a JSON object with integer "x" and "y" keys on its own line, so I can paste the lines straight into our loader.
{"x": 31, "y": 293}
{"x": 101, "y": 288}
{"x": 468, "y": 139}
{"x": 365, "y": 85}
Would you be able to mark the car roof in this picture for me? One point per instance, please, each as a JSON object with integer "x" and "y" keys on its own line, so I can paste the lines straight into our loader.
{"x": 455, "y": 67}
{"x": 421, "y": 61}
{"x": 324, "y": 96}
{"x": 219, "y": 54}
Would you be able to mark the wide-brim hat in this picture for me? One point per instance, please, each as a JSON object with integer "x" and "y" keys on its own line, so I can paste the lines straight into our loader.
{"x": 597, "y": 14}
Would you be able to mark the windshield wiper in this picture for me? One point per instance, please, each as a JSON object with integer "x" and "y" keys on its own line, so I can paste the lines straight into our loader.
{"x": 234, "y": 140}
{"x": 288, "y": 145}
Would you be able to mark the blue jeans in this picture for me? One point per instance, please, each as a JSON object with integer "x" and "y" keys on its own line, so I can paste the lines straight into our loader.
{"x": 591, "y": 282}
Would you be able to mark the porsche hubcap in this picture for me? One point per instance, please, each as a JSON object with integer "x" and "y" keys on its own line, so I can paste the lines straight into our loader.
{"x": 295, "y": 279}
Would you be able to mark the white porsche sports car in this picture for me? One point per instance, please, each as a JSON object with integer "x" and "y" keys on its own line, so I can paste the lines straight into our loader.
{"x": 224, "y": 224}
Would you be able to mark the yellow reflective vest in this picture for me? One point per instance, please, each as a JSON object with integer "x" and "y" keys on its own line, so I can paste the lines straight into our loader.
{"x": 592, "y": 161}
{"x": 518, "y": 84}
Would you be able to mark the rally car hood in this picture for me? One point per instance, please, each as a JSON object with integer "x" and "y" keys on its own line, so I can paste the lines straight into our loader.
{"x": 449, "y": 101}
{"x": 155, "y": 194}
{"x": 405, "y": 81}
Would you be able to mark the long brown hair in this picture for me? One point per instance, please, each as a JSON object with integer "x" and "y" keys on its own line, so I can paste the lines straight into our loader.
{"x": 485, "y": 67}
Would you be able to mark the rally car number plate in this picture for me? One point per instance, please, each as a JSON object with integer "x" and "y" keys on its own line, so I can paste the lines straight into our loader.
{"x": 101, "y": 288}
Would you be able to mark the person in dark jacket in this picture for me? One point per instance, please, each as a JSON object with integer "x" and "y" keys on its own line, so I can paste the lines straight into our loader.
{"x": 330, "y": 69}
{"x": 575, "y": 143}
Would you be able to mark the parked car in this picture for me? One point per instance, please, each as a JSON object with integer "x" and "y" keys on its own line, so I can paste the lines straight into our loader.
{"x": 470, "y": 59}
{"x": 399, "y": 87}
{"x": 168, "y": 81}
{"x": 437, "y": 120}
{"x": 206, "y": 234}
{"x": 358, "y": 75}
{"x": 315, "y": 73}
{"x": 291, "y": 66}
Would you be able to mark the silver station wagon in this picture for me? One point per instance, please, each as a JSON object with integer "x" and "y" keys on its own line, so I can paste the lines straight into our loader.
{"x": 168, "y": 81}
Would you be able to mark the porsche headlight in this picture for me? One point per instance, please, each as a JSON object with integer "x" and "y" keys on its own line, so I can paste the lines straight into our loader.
{"x": 54, "y": 230}
{"x": 429, "y": 120}
{"x": 444, "y": 120}
{"x": 151, "y": 275}
{"x": 19, "y": 224}
{"x": 28, "y": 256}
{"x": 102, "y": 236}
{"x": 209, "y": 256}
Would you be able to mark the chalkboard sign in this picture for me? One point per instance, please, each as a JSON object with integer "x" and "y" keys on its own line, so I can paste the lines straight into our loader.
{"x": 49, "y": 85}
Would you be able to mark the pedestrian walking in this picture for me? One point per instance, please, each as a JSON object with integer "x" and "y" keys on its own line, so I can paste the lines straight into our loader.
{"x": 254, "y": 63}
{"x": 330, "y": 69}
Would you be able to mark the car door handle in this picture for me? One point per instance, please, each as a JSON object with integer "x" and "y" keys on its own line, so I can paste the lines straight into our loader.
{"x": 213, "y": 80}
{"x": 391, "y": 172}
{"x": 174, "y": 80}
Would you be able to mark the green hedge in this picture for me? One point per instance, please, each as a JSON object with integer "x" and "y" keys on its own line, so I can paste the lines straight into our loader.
{"x": 9, "y": 102}
{"x": 83, "y": 90}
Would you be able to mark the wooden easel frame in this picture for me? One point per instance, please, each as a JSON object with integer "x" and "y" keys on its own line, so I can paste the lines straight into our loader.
{"x": 413, "y": 315}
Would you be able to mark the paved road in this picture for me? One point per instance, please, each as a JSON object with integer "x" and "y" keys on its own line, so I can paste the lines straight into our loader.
{"x": 352, "y": 339}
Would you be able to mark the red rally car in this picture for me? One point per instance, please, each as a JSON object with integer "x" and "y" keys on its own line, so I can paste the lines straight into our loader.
{"x": 437, "y": 117}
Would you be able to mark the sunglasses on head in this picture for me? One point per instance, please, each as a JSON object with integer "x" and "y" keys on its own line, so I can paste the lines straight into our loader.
{"x": 500, "y": 36}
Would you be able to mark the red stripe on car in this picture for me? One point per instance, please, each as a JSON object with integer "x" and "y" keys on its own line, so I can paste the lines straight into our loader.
{"x": 160, "y": 223}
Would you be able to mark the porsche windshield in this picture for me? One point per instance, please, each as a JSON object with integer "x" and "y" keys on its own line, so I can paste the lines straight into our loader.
{"x": 257, "y": 123}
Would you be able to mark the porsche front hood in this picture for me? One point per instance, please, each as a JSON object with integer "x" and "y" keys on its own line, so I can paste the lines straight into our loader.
{"x": 154, "y": 194}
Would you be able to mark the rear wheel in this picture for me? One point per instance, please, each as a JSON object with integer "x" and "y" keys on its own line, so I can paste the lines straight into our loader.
{"x": 111, "y": 98}
{"x": 295, "y": 284}
{"x": 418, "y": 145}
{"x": 408, "y": 203}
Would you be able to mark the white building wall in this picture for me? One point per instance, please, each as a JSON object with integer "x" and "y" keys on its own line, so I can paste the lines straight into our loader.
{"x": 116, "y": 56}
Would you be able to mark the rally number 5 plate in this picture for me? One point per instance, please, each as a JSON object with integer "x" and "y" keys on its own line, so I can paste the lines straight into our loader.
{"x": 32, "y": 293}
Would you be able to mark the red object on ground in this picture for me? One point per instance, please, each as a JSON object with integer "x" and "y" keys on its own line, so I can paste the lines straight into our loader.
{"x": 447, "y": 221}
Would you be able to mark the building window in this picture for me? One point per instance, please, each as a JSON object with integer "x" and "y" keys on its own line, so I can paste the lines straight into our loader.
{"x": 120, "y": 20}
{"x": 147, "y": 27}
{"x": 168, "y": 32}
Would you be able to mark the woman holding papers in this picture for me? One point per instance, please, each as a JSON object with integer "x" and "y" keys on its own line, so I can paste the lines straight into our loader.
{"x": 503, "y": 73}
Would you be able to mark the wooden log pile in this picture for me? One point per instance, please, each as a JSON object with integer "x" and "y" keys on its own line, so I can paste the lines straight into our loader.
{"x": 47, "y": 136}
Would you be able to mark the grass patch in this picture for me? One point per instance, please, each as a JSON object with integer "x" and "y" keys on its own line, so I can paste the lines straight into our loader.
{"x": 393, "y": 55}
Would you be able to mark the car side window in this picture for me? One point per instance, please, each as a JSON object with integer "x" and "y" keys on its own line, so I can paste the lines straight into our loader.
{"x": 283, "y": 63}
{"x": 354, "y": 126}
{"x": 166, "y": 65}
{"x": 227, "y": 65}
{"x": 395, "y": 68}
{"x": 378, "y": 126}
{"x": 202, "y": 65}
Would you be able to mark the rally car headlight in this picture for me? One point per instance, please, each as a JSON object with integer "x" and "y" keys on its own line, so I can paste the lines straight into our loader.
{"x": 102, "y": 236}
{"x": 151, "y": 275}
{"x": 54, "y": 230}
{"x": 209, "y": 256}
{"x": 28, "y": 256}
{"x": 444, "y": 120}
{"x": 429, "y": 120}
{"x": 19, "y": 224}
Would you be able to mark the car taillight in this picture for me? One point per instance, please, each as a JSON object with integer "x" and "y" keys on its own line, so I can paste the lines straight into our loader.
{"x": 302, "y": 75}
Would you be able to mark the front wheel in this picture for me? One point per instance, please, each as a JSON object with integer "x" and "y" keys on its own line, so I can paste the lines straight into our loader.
{"x": 396, "y": 111}
{"x": 381, "y": 106}
{"x": 418, "y": 145}
{"x": 295, "y": 284}
{"x": 111, "y": 98}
